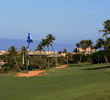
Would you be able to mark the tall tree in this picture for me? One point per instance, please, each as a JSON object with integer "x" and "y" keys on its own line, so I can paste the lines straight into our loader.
{"x": 78, "y": 45}
{"x": 43, "y": 43}
{"x": 65, "y": 51}
{"x": 13, "y": 52}
{"x": 84, "y": 44}
{"x": 89, "y": 43}
{"x": 51, "y": 39}
{"x": 107, "y": 43}
{"x": 100, "y": 44}
{"x": 47, "y": 43}
{"x": 23, "y": 52}
{"x": 39, "y": 48}
{"x": 106, "y": 30}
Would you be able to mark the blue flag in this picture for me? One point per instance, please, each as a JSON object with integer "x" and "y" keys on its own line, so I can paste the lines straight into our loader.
{"x": 29, "y": 38}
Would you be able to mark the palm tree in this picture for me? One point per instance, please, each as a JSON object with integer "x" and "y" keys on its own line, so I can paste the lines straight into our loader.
{"x": 78, "y": 45}
{"x": 100, "y": 44}
{"x": 89, "y": 44}
{"x": 51, "y": 39}
{"x": 106, "y": 30}
{"x": 47, "y": 43}
{"x": 43, "y": 43}
{"x": 65, "y": 51}
{"x": 84, "y": 44}
{"x": 39, "y": 48}
{"x": 13, "y": 53}
{"x": 23, "y": 52}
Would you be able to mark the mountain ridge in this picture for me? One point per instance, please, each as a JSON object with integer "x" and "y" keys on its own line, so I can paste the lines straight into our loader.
{"x": 6, "y": 43}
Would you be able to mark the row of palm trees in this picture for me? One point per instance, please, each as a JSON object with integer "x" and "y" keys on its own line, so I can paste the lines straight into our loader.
{"x": 41, "y": 47}
{"x": 48, "y": 41}
{"x": 100, "y": 43}
{"x": 84, "y": 44}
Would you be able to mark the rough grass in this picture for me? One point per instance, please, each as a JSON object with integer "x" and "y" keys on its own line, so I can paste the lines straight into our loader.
{"x": 76, "y": 82}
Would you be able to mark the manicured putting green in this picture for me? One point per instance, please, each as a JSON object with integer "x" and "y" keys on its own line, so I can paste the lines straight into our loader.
{"x": 76, "y": 82}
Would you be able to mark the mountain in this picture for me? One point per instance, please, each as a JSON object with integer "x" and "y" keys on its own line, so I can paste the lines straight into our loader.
{"x": 18, "y": 43}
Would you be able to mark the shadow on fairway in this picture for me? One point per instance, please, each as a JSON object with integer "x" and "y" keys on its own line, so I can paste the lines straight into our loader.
{"x": 78, "y": 65}
{"x": 97, "y": 68}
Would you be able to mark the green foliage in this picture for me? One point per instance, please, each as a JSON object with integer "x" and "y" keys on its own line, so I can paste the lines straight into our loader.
{"x": 75, "y": 50}
{"x": 99, "y": 43}
{"x": 106, "y": 30}
{"x": 76, "y": 58}
{"x": 61, "y": 60}
{"x": 84, "y": 44}
{"x": 41, "y": 63}
{"x": 69, "y": 57}
{"x": 39, "y": 48}
{"x": 99, "y": 57}
{"x": 37, "y": 62}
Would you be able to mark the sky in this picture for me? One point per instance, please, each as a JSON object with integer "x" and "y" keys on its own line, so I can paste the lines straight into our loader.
{"x": 68, "y": 20}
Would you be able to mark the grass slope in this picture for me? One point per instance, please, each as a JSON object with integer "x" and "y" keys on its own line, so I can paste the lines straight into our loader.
{"x": 76, "y": 82}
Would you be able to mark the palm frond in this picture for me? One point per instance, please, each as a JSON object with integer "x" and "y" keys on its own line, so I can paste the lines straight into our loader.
{"x": 105, "y": 34}
{"x": 102, "y": 30}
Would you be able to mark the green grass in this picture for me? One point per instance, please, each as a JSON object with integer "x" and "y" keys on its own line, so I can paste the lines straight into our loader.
{"x": 76, "y": 82}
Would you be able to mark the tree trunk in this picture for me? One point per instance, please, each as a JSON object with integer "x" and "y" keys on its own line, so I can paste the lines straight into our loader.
{"x": 98, "y": 58}
{"x": 105, "y": 57}
{"x": 17, "y": 64}
{"x": 80, "y": 59}
{"x": 23, "y": 58}
{"x": 39, "y": 67}
{"x": 54, "y": 56}
{"x": 67, "y": 59}
{"x": 42, "y": 68}
{"x": 45, "y": 55}
{"x": 25, "y": 61}
{"x": 48, "y": 58}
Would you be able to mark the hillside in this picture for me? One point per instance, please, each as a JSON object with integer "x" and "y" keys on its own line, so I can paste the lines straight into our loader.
{"x": 18, "y": 43}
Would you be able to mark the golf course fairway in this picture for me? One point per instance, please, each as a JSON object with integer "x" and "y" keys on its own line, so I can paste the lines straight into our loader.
{"x": 75, "y": 82}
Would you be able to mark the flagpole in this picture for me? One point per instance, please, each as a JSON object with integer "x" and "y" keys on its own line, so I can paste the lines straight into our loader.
{"x": 29, "y": 40}
{"x": 28, "y": 62}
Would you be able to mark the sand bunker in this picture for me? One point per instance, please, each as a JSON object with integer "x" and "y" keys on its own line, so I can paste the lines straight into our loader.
{"x": 35, "y": 73}
{"x": 62, "y": 66}
{"x": 31, "y": 73}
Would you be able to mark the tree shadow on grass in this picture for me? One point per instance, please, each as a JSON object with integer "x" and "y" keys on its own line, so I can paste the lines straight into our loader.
{"x": 97, "y": 68}
{"x": 79, "y": 65}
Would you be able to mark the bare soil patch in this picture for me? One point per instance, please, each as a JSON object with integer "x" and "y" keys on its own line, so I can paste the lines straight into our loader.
{"x": 35, "y": 73}
{"x": 62, "y": 66}
{"x": 31, "y": 73}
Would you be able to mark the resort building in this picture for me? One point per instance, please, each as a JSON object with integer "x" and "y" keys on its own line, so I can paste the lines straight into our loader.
{"x": 87, "y": 50}
{"x": 46, "y": 53}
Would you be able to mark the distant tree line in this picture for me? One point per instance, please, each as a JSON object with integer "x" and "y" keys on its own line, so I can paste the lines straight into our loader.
{"x": 17, "y": 61}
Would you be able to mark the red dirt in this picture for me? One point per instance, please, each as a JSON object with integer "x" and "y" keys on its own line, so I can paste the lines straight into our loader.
{"x": 31, "y": 73}
{"x": 62, "y": 66}
{"x": 35, "y": 73}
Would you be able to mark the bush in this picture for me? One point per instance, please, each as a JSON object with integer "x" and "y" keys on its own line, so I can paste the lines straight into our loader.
{"x": 76, "y": 58}
{"x": 98, "y": 57}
